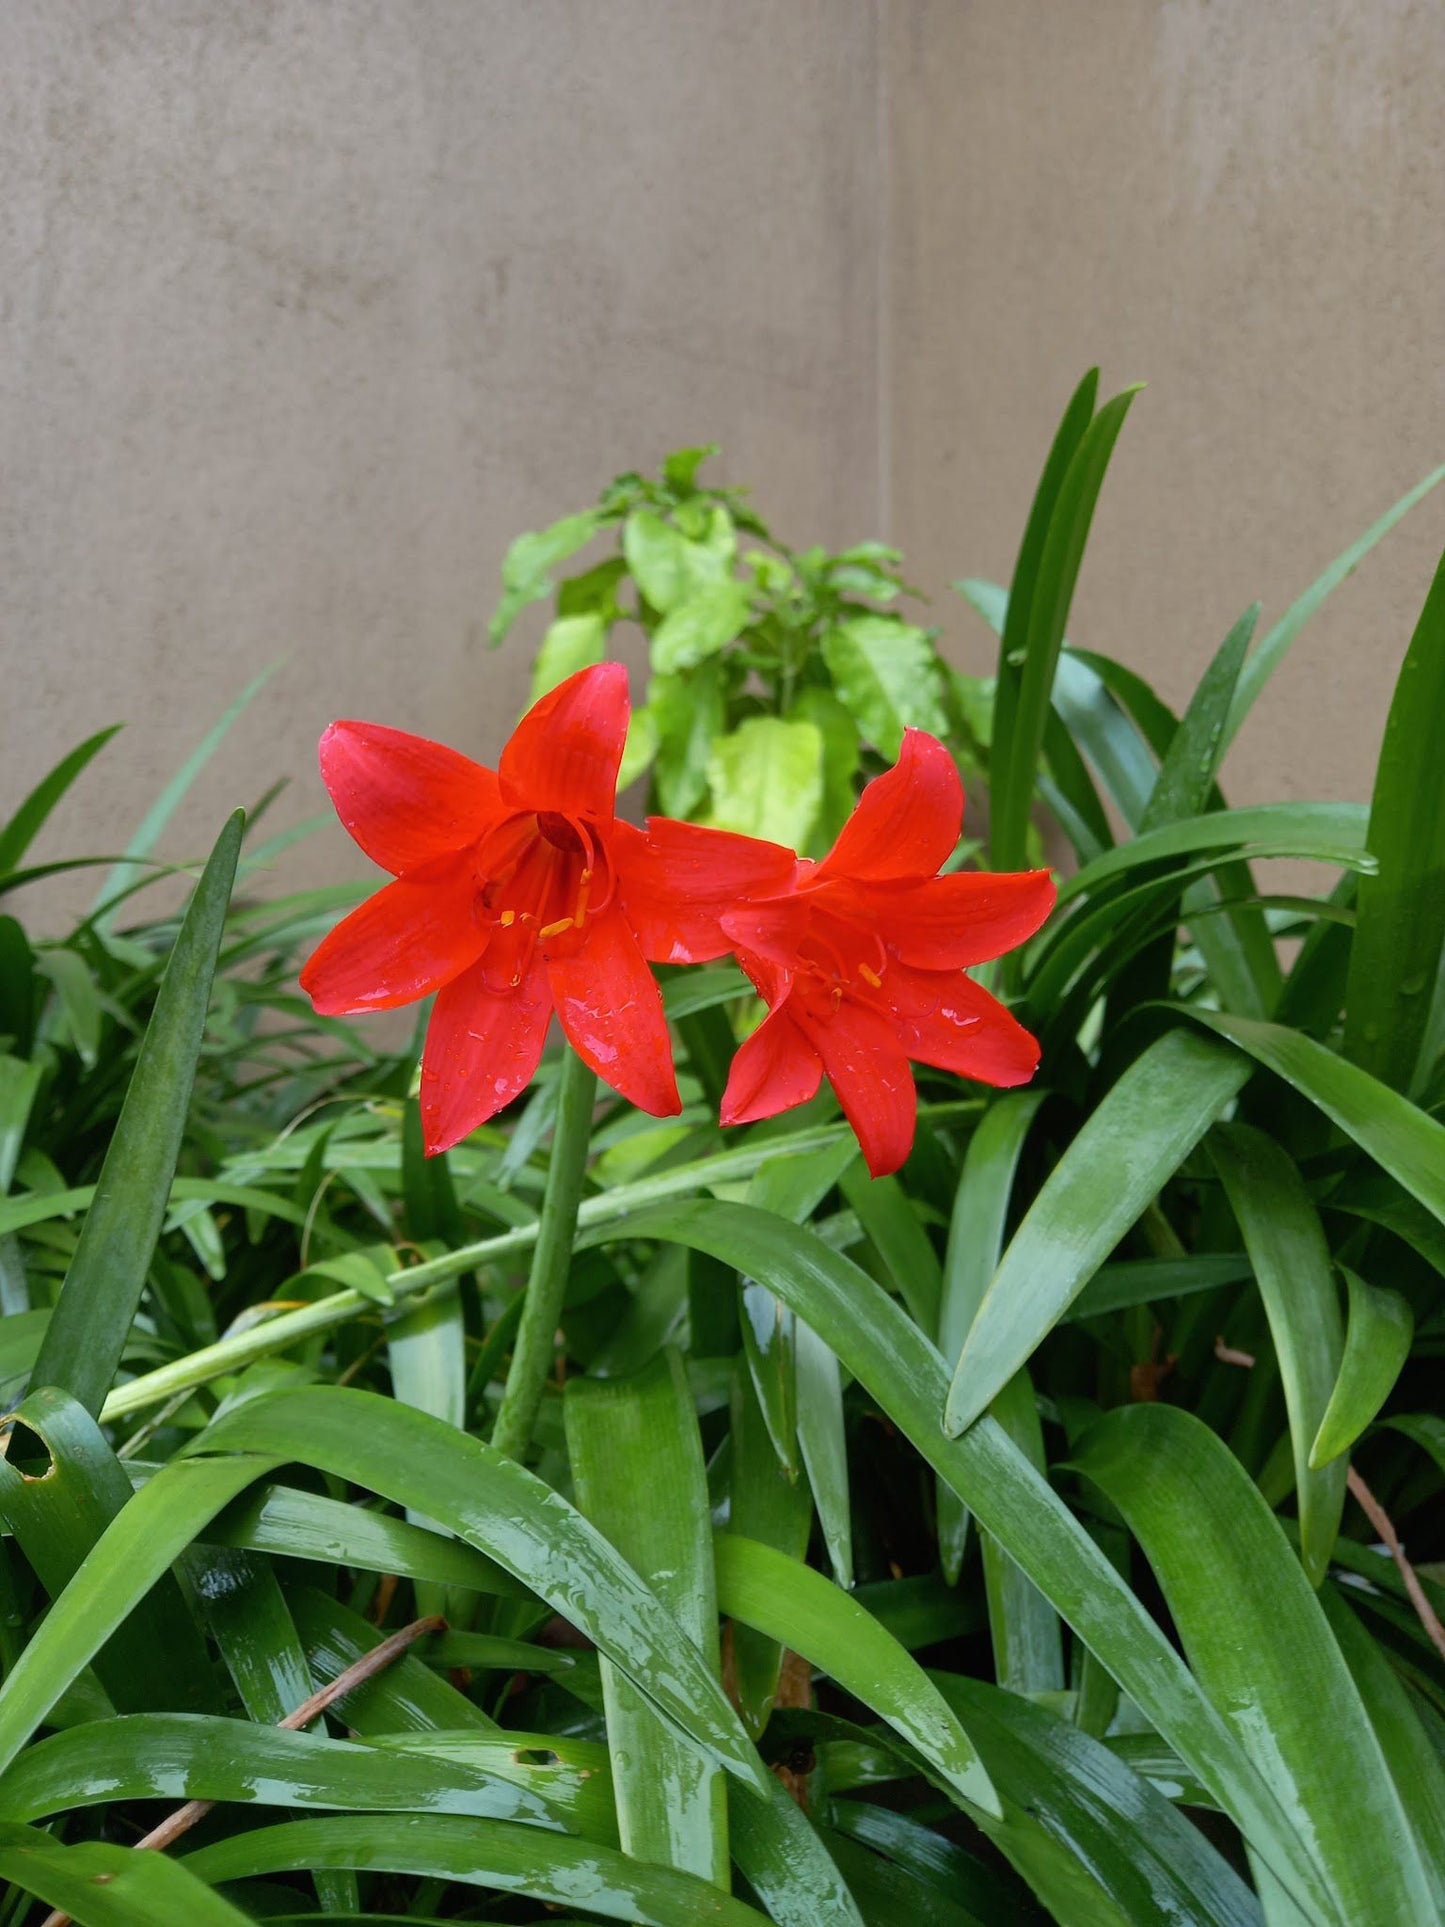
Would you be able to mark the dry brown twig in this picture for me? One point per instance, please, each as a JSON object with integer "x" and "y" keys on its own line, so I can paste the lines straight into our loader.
{"x": 346, "y": 1681}
{"x": 1380, "y": 1520}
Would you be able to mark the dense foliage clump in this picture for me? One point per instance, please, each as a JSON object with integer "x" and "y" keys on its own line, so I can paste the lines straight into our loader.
{"x": 1042, "y": 1531}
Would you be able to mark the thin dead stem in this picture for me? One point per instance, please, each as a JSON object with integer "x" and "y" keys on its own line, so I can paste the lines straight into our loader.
{"x": 1380, "y": 1520}
{"x": 346, "y": 1681}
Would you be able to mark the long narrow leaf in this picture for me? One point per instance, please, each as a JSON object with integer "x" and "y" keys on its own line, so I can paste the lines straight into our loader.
{"x": 875, "y": 1339}
{"x": 1400, "y": 924}
{"x": 975, "y": 1241}
{"x": 1133, "y": 1142}
{"x": 103, "y": 1886}
{"x": 157, "y": 1658}
{"x": 1028, "y": 1648}
{"x": 637, "y": 1464}
{"x": 171, "y": 1756}
{"x": 1274, "y": 646}
{"x": 107, "y": 1275}
{"x": 497, "y": 1854}
{"x": 1270, "y": 1663}
{"x": 27, "y": 822}
{"x": 1415, "y": 1764}
{"x": 1047, "y": 615}
{"x": 144, "y": 1539}
{"x": 1124, "y": 1846}
{"x": 1377, "y": 1343}
{"x": 149, "y": 832}
{"x": 1015, "y": 630}
{"x": 783, "y": 1597}
{"x": 1291, "y": 1263}
{"x": 1328, "y": 832}
{"x": 1402, "y": 1139}
{"x": 505, "y": 1511}
{"x": 1186, "y": 776}
{"x": 786, "y": 1863}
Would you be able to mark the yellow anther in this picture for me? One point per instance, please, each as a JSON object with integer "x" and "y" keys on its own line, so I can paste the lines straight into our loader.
{"x": 869, "y": 976}
{"x": 556, "y": 929}
{"x": 507, "y": 919}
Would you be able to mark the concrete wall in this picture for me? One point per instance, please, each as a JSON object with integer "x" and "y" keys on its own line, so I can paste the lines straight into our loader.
{"x": 1242, "y": 203}
{"x": 310, "y": 305}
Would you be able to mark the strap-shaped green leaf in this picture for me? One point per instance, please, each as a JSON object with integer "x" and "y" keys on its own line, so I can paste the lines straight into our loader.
{"x": 875, "y": 1339}
{"x": 1275, "y": 645}
{"x": 1048, "y": 614}
{"x": 781, "y": 1596}
{"x": 136, "y": 857}
{"x": 1400, "y": 923}
{"x": 638, "y": 1470}
{"x": 1007, "y": 738}
{"x": 156, "y": 1658}
{"x": 1327, "y": 832}
{"x": 1377, "y": 1343}
{"x": 497, "y": 1854}
{"x": 1126, "y": 1853}
{"x": 1138, "y": 1136}
{"x": 176, "y": 1756}
{"x": 1270, "y": 1663}
{"x": 786, "y": 1862}
{"x": 975, "y": 1240}
{"x": 1415, "y": 1763}
{"x": 27, "y": 822}
{"x": 103, "y": 1287}
{"x": 1398, "y": 1135}
{"x": 1291, "y": 1261}
{"x": 143, "y": 1541}
{"x": 1186, "y": 776}
{"x": 309, "y": 1525}
{"x": 493, "y": 1503}
{"x": 105, "y": 1886}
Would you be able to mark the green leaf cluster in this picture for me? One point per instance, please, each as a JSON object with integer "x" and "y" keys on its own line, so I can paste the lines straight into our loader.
{"x": 779, "y": 679}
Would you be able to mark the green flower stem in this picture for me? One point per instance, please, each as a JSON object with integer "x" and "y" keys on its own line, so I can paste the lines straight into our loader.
{"x": 535, "y": 1349}
{"x": 285, "y": 1329}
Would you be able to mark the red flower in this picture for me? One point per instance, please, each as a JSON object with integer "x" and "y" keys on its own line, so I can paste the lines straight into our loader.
{"x": 508, "y": 902}
{"x": 861, "y": 961}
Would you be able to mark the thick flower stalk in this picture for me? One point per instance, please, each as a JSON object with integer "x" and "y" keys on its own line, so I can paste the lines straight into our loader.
{"x": 861, "y": 960}
{"x": 508, "y": 902}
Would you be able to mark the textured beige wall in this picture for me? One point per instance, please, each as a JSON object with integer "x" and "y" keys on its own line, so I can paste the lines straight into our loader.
{"x": 311, "y": 305}
{"x": 1243, "y": 203}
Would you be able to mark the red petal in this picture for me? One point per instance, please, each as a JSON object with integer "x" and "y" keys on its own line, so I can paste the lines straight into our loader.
{"x": 679, "y": 881}
{"x": 907, "y": 820}
{"x": 611, "y": 1010}
{"x": 482, "y": 1047}
{"x": 949, "y": 1021}
{"x": 404, "y": 942}
{"x": 405, "y": 800}
{"x": 772, "y": 931}
{"x": 949, "y": 922}
{"x": 775, "y": 1069}
{"x": 866, "y": 1064}
{"x": 565, "y": 752}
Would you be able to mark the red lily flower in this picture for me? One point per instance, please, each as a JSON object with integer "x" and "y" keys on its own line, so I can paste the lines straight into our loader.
{"x": 507, "y": 901}
{"x": 861, "y": 962}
